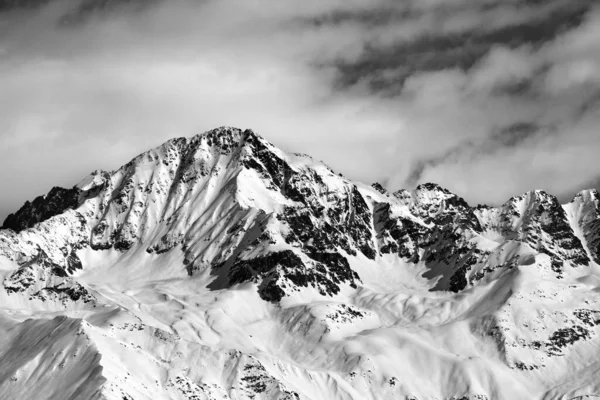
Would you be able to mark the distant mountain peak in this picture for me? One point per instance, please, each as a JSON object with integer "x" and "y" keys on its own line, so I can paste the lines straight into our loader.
{"x": 377, "y": 186}
{"x": 432, "y": 187}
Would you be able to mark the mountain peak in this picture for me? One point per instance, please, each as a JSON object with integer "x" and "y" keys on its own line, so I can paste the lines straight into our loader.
{"x": 224, "y": 135}
{"x": 203, "y": 250}
{"x": 587, "y": 195}
{"x": 431, "y": 187}
{"x": 534, "y": 195}
{"x": 377, "y": 186}
{"x": 228, "y": 136}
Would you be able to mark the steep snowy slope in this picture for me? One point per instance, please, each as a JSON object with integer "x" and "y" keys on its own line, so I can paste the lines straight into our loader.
{"x": 220, "y": 267}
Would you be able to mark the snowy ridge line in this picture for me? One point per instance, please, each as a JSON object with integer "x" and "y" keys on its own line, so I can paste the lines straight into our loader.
{"x": 221, "y": 267}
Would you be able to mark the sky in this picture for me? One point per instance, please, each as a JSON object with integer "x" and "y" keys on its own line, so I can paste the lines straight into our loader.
{"x": 487, "y": 98}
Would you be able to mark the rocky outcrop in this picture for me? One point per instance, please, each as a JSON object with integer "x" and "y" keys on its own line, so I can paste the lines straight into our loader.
{"x": 57, "y": 201}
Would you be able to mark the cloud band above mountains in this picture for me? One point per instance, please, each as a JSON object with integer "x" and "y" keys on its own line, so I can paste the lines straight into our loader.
{"x": 489, "y": 100}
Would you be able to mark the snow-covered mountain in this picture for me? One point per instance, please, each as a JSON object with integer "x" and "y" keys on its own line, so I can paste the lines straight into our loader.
{"x": 221, "y": 267}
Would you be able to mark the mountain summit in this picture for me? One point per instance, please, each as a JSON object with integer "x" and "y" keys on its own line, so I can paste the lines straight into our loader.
{"x": 221, "y": 267}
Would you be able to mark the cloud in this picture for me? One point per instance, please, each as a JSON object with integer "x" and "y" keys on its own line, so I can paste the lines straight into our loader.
{"x": 436, "y": 36}
{"x": 520, "y": 118}
{"x": 510, "y": 137}
{"x": 92, "y": 95}
{"x": 505, "y": 70}
{"x": 452, "y": 92}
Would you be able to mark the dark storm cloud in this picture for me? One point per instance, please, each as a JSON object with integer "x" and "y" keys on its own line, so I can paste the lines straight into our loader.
{"x": 8, "y": 5}
{"x": 389, "y": 65}
{"x": 591, "y": 104}
{"x": 87, "y": 9}
{"x": 84, "y": 5}
{"x": 515, "y": 134}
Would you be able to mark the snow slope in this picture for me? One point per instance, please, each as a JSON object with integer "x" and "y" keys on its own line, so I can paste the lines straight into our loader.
{"x": 220, "y": 267}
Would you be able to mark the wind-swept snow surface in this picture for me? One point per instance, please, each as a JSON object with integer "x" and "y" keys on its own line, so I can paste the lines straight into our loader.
{"x": 220, "y": 267}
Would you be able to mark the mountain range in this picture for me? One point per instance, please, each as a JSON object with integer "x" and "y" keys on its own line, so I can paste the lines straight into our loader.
{"x": 221, "y": 267}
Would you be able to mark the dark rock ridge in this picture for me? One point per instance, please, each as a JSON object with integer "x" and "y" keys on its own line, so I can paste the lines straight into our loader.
{"x": 42, "y": 279}
{"x": 42, "y": 208}
{"x": 437, "y": 232}
{"x": 538, "y": 219}
{"x": 588, "y": 205}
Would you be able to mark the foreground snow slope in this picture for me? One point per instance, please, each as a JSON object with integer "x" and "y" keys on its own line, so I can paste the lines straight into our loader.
{"x": 220, "y": 267}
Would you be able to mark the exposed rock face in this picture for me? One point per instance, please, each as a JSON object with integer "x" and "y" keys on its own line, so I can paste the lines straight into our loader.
{"x": 538, "y": 219}
{"x": 175, "y": 234}
{"x": 57, "y": 201}
{"x": 586, "y": 209}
